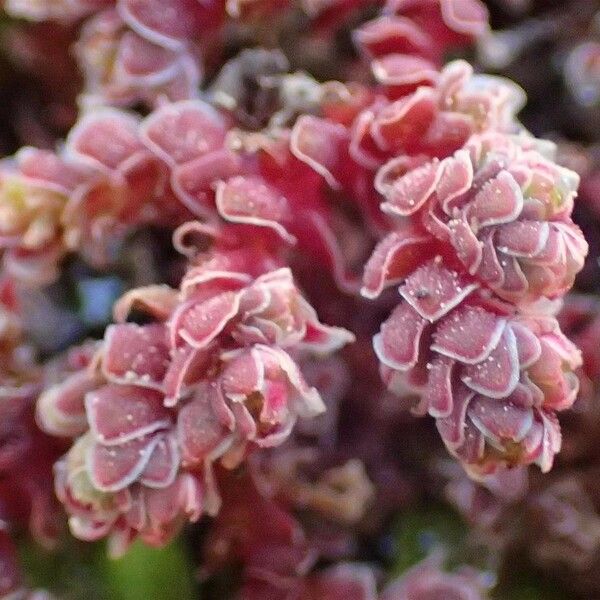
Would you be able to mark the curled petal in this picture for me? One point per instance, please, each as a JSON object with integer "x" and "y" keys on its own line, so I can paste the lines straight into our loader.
{"x": 252, "y": 201}
{"x": 104, "y": 139}
{"x": 500, "y": 422}
{"x": 162, "y": 466}
{"x": 397, "y": 345}
{"x": 201, "y": 433}
{"x": 452, "y": 428}
{"x": 499, "y": 201}
{"x": 136, "y": 354}
{"x": 468, "y": 335}
{"x": 434, "y": 290}
{"x": 439, "y": 391}
{"x": 528, "y": 345}
{"x": 523, "y": 238}
{"x": 157, "y": 301}
{"x": 187, "y": 367}
{"x": 389, "y": 33}
{"x": 194, "y": 180}
{"x": 469, "y": 17}
{"x": 404, "y": 70}
{"x": 320, "y": 144}
{"x": 455, "y": 180}
{"x": 408, "y": 194}
{"x": 392, "y": 260}
{"x": 167, "y": 23}
{"x": 497, "y": 375}
{"x": 183, "y": 131}
{"x": 119, "y": 413}
{"x": 199, "y": 323}
{"x": 113, "y": 468}
{"x": 61, "y": 410}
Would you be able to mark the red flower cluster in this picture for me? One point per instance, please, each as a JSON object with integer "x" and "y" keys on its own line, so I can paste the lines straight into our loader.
{"x": 210, "y": 377}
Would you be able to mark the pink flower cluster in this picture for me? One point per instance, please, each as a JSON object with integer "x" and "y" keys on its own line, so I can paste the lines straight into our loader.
{"x": 485, "y": 239}
{"x": 273, "y": 182}
{"x": 135, "y": 51}
{"x": 212, "y": 376}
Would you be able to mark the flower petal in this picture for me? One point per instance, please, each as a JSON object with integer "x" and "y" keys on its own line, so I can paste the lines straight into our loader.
{"x": 113, "y": 468}
{"x": 434, "y": 290}
{"x": 182, "y": 131}
{"x": 119, "y": 413}
{"x": 397, "y": 344}
{"x": 498, "y": 375}
{"x": 134, "y": 354}
{"x": 468, "y": 335}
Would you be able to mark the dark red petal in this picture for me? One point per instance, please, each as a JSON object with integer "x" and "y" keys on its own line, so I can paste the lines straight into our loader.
{"x": 397, "y": 255}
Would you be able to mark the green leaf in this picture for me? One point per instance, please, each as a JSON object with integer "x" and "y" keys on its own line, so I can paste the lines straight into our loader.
{"x": 146, "y": 573}
{"x": 416, "y": 533}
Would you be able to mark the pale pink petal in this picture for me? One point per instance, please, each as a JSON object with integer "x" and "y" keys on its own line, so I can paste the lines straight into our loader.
{"x": 167, "y": 23}
{"x": 498, "y": 375}
{"x": 201, "y": 322}
{"x": 104, "y": 139}
{"x": 452, "y": 427}
{"x": 119, "y": 413}
{"x": 321, "y": 145}
{"x": 469, "y": 17}
{"x": 434, "y": 290}
{"x": 456, "y": 179}
{"x": 500, "y": 422}
{"x": 522, "y": 238}
{"x": 439, "y": 393}
{"x": 250, "y": 200}
{"x": 408, "y": 194}
{"x": 157, "y": 301}
{"x": 182, "y": 131}
{"x": 136, "y": 354}
{"x": 200, "y": 431}
{"x": 499, "y": 201}
{"x": 397, "y": 344}
{"x": 163, "y": 463}
{"x": 113, "y": 468}
{"x": 468, "y": 334}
